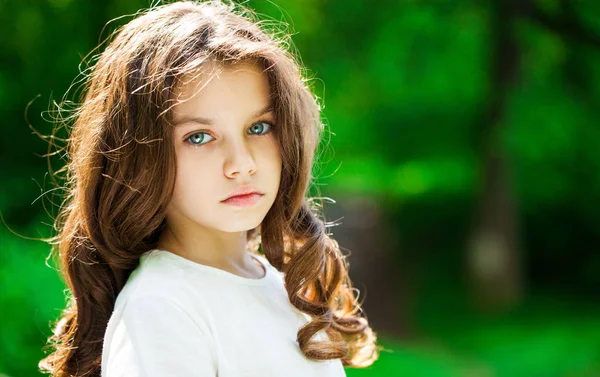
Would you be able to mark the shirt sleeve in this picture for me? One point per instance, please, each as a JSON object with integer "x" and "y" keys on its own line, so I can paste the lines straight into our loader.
{"x": 155, "y": 336}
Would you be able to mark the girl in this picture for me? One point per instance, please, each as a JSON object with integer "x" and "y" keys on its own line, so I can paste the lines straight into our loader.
{"x": 187, "y": 240}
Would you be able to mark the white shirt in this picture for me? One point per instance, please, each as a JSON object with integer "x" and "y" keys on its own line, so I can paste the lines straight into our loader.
{"x": 175, "y": 317}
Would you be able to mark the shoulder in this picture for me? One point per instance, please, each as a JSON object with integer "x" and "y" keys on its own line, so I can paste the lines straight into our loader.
{"x": 155, "y": 335}
{"x": 156, "y": 284}
{"x": 154, "y": 275}
{"x": 156, "y": 312}
{"x": 158, "y": 309}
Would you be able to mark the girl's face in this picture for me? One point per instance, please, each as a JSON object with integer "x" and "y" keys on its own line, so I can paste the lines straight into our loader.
{"x": 224, "y": 139}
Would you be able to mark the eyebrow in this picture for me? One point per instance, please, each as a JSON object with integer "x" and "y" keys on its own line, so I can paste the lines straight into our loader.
{"x": 207, "y": 121}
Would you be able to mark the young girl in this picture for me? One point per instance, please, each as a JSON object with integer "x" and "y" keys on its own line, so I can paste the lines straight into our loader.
{"x": 188, "y": 241}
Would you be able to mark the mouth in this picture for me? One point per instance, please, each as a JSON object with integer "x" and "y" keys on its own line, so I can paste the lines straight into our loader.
{"x": 246, "y": 200}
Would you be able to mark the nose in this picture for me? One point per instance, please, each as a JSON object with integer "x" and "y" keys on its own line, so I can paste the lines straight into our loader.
{"x": 239, "y": 160}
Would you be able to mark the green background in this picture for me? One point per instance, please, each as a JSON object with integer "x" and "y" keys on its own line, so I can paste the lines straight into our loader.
{"x": 450, "y": 119}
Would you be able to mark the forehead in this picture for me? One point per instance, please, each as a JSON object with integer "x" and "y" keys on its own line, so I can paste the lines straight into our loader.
{"x": 217, "y": 89}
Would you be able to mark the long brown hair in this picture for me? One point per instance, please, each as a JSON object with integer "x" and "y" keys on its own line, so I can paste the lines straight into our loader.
{"x": 121, "y": 173}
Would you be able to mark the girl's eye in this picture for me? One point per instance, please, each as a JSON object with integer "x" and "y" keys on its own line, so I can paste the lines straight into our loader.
{"x": 199, "y": 138}
{"x": 261, "y": 128}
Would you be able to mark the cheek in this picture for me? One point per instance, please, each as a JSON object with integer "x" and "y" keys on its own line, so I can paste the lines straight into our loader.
{"x": 274, "y": 164}
{"x": 193, "y": 178}
{"x": 271, "y": 152}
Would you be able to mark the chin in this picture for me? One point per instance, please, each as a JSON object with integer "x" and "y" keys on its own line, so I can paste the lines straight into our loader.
{"x": 242, "y": 225}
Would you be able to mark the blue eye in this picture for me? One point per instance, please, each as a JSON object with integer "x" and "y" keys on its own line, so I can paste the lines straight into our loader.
{"x": 262, "y": 128}
{"x": 199, "y": 138}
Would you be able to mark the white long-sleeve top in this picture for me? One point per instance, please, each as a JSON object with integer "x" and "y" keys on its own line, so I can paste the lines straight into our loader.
{"x": 175, "y": 317}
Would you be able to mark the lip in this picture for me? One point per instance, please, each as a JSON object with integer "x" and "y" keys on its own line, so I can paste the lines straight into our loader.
{"x": 243, "y": 191}
{"x": 248, "y": 200}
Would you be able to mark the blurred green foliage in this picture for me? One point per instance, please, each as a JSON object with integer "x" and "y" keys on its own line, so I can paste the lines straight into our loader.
{"x": 403, "y": 84}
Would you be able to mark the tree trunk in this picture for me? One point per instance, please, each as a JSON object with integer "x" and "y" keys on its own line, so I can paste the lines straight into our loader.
{"x": 493, "y": 256}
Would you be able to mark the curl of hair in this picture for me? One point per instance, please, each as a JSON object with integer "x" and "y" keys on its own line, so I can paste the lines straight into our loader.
{"x": 120, "y": 146}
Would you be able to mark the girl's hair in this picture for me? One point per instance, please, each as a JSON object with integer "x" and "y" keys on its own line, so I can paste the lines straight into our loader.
{"x": 121, "y": 175}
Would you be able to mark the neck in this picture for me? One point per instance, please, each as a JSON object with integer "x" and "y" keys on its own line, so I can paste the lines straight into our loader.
{"x": 209, "y": 247}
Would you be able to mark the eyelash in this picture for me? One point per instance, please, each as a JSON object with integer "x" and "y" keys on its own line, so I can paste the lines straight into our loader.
{"x": 269, "y": 130}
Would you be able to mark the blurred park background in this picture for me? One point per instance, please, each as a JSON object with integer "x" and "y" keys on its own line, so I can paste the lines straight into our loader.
{"x": 463, "y": 155}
